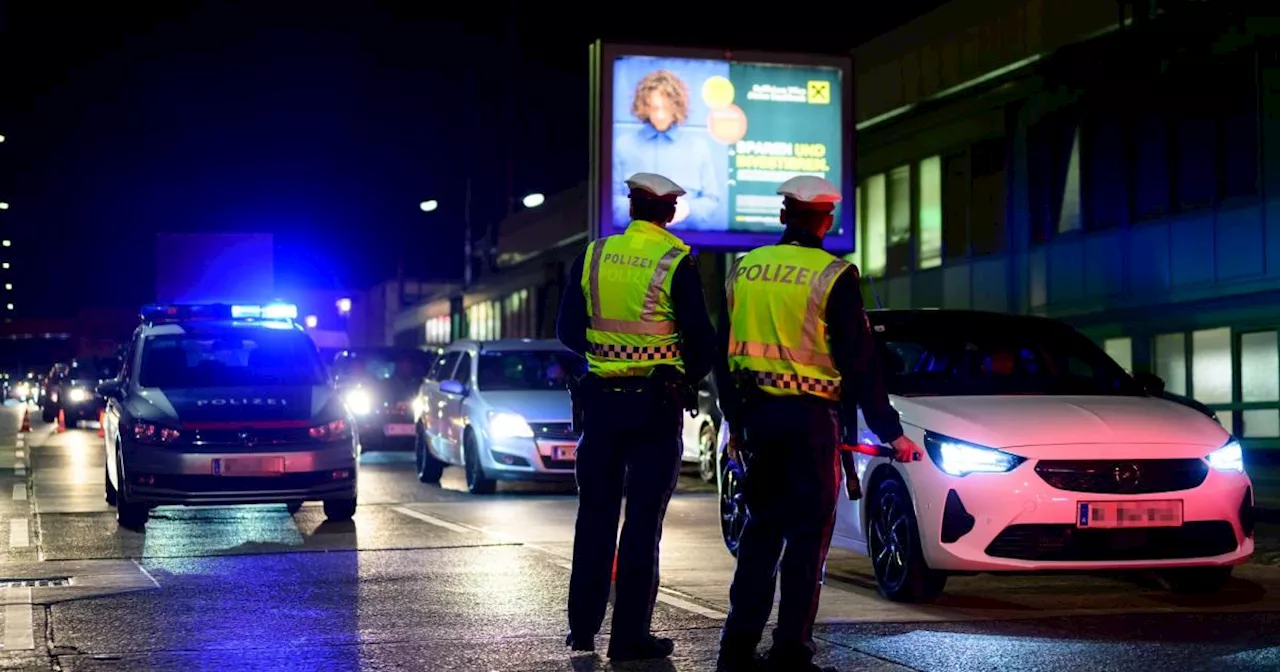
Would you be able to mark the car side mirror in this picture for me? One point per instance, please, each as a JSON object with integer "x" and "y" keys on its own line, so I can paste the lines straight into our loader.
{"x": 110, "y": 389}
{"x": 453, "y": 387}
{"x": 1151, "y": 383}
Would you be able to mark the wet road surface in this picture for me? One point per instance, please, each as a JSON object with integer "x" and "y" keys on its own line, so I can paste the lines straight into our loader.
{"x": 432, "y": 578}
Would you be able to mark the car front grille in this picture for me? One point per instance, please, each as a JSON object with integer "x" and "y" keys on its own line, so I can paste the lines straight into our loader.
{"x": 554, "y": 431}
{"x": 1123, "y": 477}
{"x": 1066, "y": 543}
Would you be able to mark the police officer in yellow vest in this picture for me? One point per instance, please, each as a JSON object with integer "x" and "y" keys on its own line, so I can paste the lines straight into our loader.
{"x": 634, "y": 309}
{"x": 801, "y": 359}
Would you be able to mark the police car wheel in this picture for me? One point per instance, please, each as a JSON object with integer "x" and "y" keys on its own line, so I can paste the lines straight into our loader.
{"x": 893, "y": 542}
{"x": 339, "y": 510}
{"x": 48, "y": 413}
{"x": 477, "y": 482}
{"x": 129, "y": 515}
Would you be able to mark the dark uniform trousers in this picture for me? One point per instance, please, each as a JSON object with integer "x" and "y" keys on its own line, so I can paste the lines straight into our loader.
{"x": 631, "y": 441}
{"x": 791, "y": 446}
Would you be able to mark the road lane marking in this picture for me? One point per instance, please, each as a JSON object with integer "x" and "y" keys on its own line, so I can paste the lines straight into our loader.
{"x": 146, "y": 573}
{"x": 19, "y": 533}
{"x": 665, "y": 595}
{"x": 19, "y": 491}
{"x": 432, "y": 519}
{"x": 18, "y": 635}
{"x": 19, "y": 469}
{"x": 19, "y": 454}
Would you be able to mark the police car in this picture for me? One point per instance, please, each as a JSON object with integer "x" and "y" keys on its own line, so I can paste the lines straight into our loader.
{"x": 225, "y": 404}
{"x": 1043, "y": 455}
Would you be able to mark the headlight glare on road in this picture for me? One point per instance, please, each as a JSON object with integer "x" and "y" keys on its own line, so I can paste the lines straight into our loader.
{"x": 1227, "y": 458}
{"x": 78, "y": 395}
{"x": 359, "y": 402}
{"x": 958, "y": 458}
{"x": 504, "y": 425}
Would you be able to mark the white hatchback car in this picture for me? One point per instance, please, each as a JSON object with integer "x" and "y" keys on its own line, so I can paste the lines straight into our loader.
{"x": 1043, "y": 454}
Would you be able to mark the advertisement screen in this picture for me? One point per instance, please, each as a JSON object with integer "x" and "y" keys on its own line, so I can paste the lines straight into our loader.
{"x": 729, "y": 132}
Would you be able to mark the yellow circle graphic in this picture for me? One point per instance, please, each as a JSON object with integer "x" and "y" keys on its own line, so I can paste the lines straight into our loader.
{"x": 717, "y": 92}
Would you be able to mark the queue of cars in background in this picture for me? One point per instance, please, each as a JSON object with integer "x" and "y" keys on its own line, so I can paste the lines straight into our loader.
{"x": 379, "y": 386}
{"x": 1043, "y": 455}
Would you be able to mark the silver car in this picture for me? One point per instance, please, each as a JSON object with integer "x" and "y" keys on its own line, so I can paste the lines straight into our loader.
{"x": 500, "y": 410}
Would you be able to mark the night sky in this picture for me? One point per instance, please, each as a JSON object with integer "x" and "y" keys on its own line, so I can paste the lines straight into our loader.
{"x": 323, "y": 123}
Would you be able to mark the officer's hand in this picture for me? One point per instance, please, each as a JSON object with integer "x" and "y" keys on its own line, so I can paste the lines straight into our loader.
{"x": 735, "y": 443}
{"x": 906, "y": 450}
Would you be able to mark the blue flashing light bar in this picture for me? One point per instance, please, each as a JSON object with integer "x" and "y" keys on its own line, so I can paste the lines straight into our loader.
{"x": 280, "y": 312}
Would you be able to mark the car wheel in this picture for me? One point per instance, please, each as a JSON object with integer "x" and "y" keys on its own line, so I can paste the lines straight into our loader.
{"x": 108, "y": 487}
{"x": 293, "y": 507}
{"x": 893, "y": 541}
{"x": 707, "y": 453}
{"x": 339, "y": 510}
{"x": 1195, "y": 580}
{"x": 429, "y": 468}
{"x": 48, "y": 413}
{"x": 733, "y": 509}
{"x": 477, "y": 482}
{"x": 129, "y": 515}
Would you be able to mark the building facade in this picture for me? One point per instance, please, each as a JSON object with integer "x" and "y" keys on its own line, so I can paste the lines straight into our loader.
{"x": 1082, "y": 161}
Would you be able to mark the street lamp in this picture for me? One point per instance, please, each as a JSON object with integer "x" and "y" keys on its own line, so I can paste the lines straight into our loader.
{"x": 8, "y": 286}
{"x": 429, "y": 206}
{"x": 534, "y": 200}
{"x": 312, "y": 321}
{"x": 6, "y": 243}
{"x": 344, "y": 306}
{"x": 4, "y": 206}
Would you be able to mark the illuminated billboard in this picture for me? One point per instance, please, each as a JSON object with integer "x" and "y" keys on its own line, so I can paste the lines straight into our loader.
{"x": 728, "y": 128}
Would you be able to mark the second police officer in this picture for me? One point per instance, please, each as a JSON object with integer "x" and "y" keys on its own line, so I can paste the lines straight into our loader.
{"x": 635, "y": 310}
{"x": 801, "y": 359}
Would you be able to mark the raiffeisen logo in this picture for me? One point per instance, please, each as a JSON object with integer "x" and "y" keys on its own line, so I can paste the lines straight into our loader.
{"x": 245, "y": 401}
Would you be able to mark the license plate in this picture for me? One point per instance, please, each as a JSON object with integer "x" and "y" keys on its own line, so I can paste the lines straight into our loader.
{"x": 1129, "y": 514}
{"x": 248, "y": 466}
{"x": 398, "y": 430}
{"x": 563, "y": 452}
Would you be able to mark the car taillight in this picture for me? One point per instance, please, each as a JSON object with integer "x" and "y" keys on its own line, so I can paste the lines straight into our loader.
{"x": 146, "y": 432}
{"x": 332, "y": 431}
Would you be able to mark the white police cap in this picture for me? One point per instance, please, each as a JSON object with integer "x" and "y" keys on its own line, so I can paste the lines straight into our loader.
{"x": 810, "y": 191}
{"x": 654, "y": 185}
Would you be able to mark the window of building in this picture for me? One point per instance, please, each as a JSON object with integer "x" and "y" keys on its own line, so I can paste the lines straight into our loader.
{"x": 1195, "y": 132}
{"x": 1171, "y": 362}
{"x": 1238, "y": 149}
{"x": 955, "y": 206}
{"x": 1120, "y": 350}
{"x": 1069, "y": 212}
{"x": 1104, "y": 167}
{"x": 898, "y": 252}
{"x": 929, "y": 212}
{"x": 1260, "y": 382}
{"x": 987, "y": 202}
{"x": 1211, "y": 375}
{"x": 874, "y": 234}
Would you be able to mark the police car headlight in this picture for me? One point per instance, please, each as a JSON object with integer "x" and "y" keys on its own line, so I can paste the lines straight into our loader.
{"x": 1227, "y": 458}
{"x": 155, "y": 435}
{"x": 509, "y": 426}
{"x": 359, "y": 402}
{"x": 958, "y": 458}
{"x": 78, "y": 395}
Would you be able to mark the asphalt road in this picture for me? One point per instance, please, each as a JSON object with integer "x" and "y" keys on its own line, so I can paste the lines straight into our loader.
{"x": 431, "y": 578}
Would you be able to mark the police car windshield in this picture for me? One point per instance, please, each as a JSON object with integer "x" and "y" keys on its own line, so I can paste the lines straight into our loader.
{"x": 230, "y": 358}
{"x": 1004, "y": 356}
{"x": 526, "y": 370}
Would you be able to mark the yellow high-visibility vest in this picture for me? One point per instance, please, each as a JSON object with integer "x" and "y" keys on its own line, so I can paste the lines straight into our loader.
{"x": 777, "y": 299}
{"x": 626, "y": 279}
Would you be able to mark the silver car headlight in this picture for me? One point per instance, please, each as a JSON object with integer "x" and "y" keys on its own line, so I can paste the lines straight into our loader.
{"x": 504, "y": 425}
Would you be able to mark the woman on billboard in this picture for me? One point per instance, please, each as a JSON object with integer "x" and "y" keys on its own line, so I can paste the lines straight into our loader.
{"x": 662, "y": 144}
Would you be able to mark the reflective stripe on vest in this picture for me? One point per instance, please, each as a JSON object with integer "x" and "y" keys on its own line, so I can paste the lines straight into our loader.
{"x": 627, "y": 282}
{"x": 804, "y": 364}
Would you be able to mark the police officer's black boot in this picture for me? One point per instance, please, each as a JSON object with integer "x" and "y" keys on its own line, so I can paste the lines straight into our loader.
{"x": 643, "y": 649}
{"x": 580, "y": 642}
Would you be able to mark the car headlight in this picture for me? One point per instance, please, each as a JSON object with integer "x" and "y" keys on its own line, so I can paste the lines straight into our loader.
{"x": 958, "y": 458}
{"x": 1227, "y": 458}
{"x": 416, "y": 406}
{"x": 78, "y": 395}
{"x": 359, "y": 402}
{"x": 504, "y": 425}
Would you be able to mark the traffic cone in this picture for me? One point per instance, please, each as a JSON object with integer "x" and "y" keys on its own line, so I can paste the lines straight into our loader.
{"x": 26, "y": 421}
{"x": 62, "y": 421}
{"x": 102, "y": 415}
